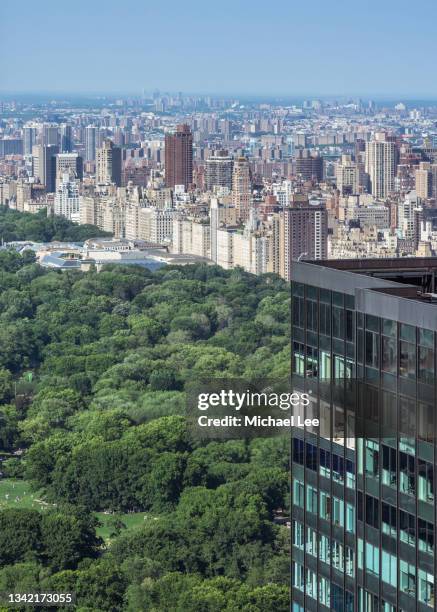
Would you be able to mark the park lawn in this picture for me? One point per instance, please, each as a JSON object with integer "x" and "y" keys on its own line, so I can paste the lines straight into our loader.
{"x": 132, "y": 520}
{"x": 18, "y": 494}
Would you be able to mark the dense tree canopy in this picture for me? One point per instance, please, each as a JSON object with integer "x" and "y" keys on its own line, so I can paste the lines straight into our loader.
{"x": 41, "y": 228}
{"x": 93, "y": 371}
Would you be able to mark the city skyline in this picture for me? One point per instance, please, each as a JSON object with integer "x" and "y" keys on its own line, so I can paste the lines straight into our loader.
{"x": 228, "y": 49}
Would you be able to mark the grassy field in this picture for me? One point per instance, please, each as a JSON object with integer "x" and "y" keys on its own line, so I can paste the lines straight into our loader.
{"x": 133, "y": 520}
{"x": 17, "y": 494}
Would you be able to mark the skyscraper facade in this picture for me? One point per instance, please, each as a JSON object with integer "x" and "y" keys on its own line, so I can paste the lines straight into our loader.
{"x": 241, "y": 188}
{"x": 179, "y": 157}
{"x": 68, "y": 163}
{"x": 303, "y": 232}
{"x": 108, "y": 163}
{"x": 44, "y": 163}
{"x": 66, "y": 138}
{"x": 91, "y": 142}
{"x": 219, "y": 171}
{"x": 50, "y": 134}
{"x": 67, "y": 199}
{"x": 309, "y": 167}
{"x": 30, "y": 136}
{"x": 363, "y": 482}
{"x": 381, "y": 165}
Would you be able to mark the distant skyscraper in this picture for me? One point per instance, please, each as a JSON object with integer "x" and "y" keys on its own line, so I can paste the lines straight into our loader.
{"x": 347, "y": 176}
{"x": 309, "y": 167}
{"x": 66, "y": 138}
{"x": 241, "y": 188}
{"x": 381, "y": 165}
{"x": 44, "y": 164}
{"x": 30, "y": 135}
{"x": 50, "y": 134}
{"x": 219, "y": 171}
{"x": 67, "y": 200}
{"x": 90, "y": 142}
{"x": 303, "y": 232}
{"x": 179, "y": 157}
{"x": 423, "y": 181}
{"x": 68, "y": 163}
{"x": 108, "y": 163}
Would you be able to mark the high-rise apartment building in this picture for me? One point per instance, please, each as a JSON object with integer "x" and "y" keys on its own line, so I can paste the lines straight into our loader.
{"x": 309, "y": 167}
{"x": 381, "y": 165}
{"x": 179, "y": 157}
{"x": 423, "y": 177}
{"x": 108, "y": 163}
{"x": 44, "y": 164}
{"x": 363, "y": 482}
{"x": 156, "y": 225}
{"x": 68, "y": 163}
{"x": 241, "y": 188}
{"x": 91, "y": 142}
{"x": 303, "y": 233}
{"x": 347, "y": 176}
{"x": 219, "y": 171}
{"x": 66, "y": 138}
{"x": 30, "y": 137}
{"x": 50, "y": 135}
{"x": 67, "y": 200}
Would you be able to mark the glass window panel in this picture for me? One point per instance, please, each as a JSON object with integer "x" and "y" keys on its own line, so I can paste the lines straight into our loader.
{"x": 389, "y": 568}
{"x": 372, "y": 323}
{"x": 426, "y": 536}
{"x": 298, "y": 492}
{"x": 311, "y": 308}
{"x": 371, "y": 457}
{"x": 389, "y": 473}
{"x": 325, "y": 505}
{"x": 338, "y": 322}
{"x": 372, "y": 349}
{"x": 407, "y": 528}
{"x": 389, "y": 520}
{"x": 407, "y": 578}
{"x": 389, "y": 354}
{"x": 338, "y": 298}
{"x": 325, "y": 592}
{"x": 325, "y": 463}
{"x": 298, "y": 535}
{"x": 389, "y": 327}
{"x": 311, "y": 499}
{"x": 426, "y": 365}
{"x": 324, "y": 549}
{"x": 311, "y": 542}
{"x": 425, "y": 482}
{"x": 298, "y": 451}
{"x": 425, "y": 422}
{"x": 426, "y": 337}
{"x": 426, "y": 588}
{"x": 298, "y": 576}
{"x": 407, "y": 359}
{"x": 337, "y": 556}
{"x": 408, "y": 333}
{"x": 407, "y": 478}
{"x": 311, "y": 584}
{"x": 298, "y": 358}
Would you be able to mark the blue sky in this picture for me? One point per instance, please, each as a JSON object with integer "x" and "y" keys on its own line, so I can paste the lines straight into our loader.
{"x": 282, "y": 47}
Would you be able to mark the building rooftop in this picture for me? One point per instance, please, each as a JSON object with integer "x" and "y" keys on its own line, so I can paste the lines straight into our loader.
{"x": 403, "y": 289}
{"x": 417, "y": 274}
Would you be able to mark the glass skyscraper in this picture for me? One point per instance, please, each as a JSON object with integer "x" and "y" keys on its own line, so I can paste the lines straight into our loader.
{"x": 363, "y": 483}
